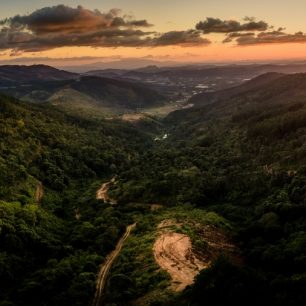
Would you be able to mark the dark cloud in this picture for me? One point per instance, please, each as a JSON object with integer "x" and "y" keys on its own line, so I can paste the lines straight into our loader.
{"x": 63, "y": 19}
{"x": 278, "y": 36}
{"x": 183, "y": 38}
{"x": 232, "y": 36}
{"x": 215, "y": 25}
{"x": 62, "y": 26}
{"x": 273, "y": 37}
{"x": 29, "y": 42}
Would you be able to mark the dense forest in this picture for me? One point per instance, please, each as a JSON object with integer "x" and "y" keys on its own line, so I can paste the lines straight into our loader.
{"x": 238, "y": 163}
{"x": 243, "y": 158}
{"x": 49, "y": 256}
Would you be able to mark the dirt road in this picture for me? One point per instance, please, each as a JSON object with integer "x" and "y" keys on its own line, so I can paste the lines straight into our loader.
{"x": 39, "y": 193}
{"x": 102, "y": 193}
{"x": 104, "y": 270}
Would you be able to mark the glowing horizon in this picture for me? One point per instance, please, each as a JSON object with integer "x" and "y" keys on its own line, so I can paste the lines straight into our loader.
{"x": 168, "y": 32}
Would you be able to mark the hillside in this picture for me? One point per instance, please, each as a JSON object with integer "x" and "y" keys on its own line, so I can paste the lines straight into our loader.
{"x": 225, "y": 179}
{"x": 211, "y": 97}
{"x": 44, "y": 143}
{"x": 71, "y": 91}
{"x": 53, "y": 233}
{"x": 244, "y": 158}
{"x": 117, "y": 93}
{"x": 272, "y": 114}
{"x": 23, "y": 74}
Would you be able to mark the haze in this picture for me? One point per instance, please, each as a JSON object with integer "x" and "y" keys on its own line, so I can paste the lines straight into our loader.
{"x": 171, "y": 31}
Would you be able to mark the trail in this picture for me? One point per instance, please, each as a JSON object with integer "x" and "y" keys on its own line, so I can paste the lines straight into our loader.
{"x": 104, "y": 270}
{"x": 39, "y": 193}
{"x": 102, "y": 193}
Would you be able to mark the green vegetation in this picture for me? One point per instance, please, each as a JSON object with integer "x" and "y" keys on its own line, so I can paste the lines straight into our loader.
{"x": 136, "y": 271}
{"x": 51, "y": 261}
{"x": 238, "y": 164}
{"x": 57, "y": 148}
{"x": 50, "y": 251}
{"x": 242, "y": 158}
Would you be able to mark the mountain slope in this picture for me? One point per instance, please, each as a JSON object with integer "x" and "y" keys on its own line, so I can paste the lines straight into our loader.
{"x": 24, "y": 74}
{"x": 211, "y": 97}
{"x": 40, "y": 142}
{"x": 244, "y": 158}
{"x": 51, "y": 247}
{"x": 98, "y": 92}
{"x": 123, "y": 94}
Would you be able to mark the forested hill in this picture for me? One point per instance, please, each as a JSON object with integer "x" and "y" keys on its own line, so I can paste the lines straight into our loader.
{"x": 243, "y": 157}
{"x": 44, "y": 84}
{"x": 256, "y": 83}
{"x": 47, "y": 144}
{"x": 24, "y": 74}
{"x": 47, "y": 256}
{"x": 270, "y": 88}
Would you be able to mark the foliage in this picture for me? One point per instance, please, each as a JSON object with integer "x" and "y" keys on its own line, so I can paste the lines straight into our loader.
{"x": 241, "y": 158}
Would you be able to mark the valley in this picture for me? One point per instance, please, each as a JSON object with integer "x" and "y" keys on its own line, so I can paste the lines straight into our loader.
{"x": 150, "y": 206}
{"x": 152, "y": 153}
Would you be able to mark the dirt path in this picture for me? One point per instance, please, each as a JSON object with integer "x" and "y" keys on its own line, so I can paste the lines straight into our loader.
{"x": 102, "y": 192}
{"x": 39, "y": 193}
{"x": 103, "y": 273}
{"x": 173, "y": 252}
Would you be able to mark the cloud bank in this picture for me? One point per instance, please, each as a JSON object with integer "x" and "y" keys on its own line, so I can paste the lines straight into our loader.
{"x": 274, "y": 37}
{"x": 215, "y": 25}
{"x": 62, "y": 26}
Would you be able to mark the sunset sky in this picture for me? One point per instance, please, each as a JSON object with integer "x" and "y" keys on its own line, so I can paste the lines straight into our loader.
{"x": 173, "y": 30}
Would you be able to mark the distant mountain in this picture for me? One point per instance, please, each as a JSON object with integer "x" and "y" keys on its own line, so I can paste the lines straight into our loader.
{"x": 82, "y": 92}
{"x": 179, "y": 83}
{"x": 126, "y": 64}
{"x": 264, "y": 98}
{"x": 211, "y": 97}
{"x": 20, "y": 74}
{"x": 201, "y": 71}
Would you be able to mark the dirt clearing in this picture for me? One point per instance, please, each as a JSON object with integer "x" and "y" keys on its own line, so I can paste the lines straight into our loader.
{"x": 174, "y": 252}
{"x": 132, "y": 117}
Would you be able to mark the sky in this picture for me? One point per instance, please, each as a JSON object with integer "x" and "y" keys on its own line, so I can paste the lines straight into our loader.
{"x": 174, "y": 30}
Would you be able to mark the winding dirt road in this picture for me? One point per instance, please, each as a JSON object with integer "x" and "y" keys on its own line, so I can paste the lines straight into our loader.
{"x": 104, "y": 270}
{"x": 102, "y": 192}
